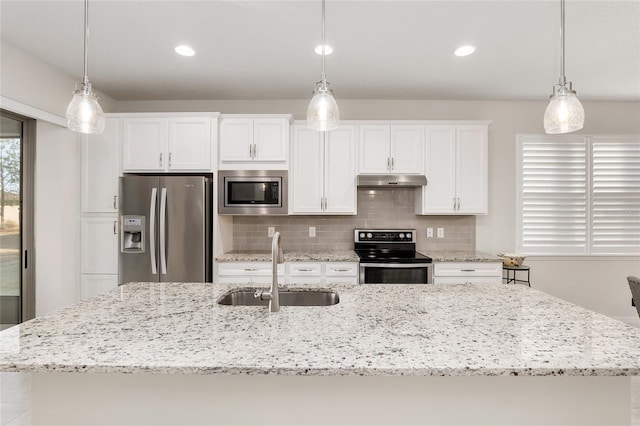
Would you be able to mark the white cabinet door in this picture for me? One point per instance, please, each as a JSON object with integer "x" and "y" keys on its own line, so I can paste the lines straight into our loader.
{"x": 374, "y": 149}
{"x": 307, "y": 171}
{"x": 94, "y": 284}
{"x": 189, "y": 144}
{"x": 236, "y": 140}
{"x": 144, "y": 144}
{"x": 471, "y": 170}
{"x": 340, "y": 171}
{"x": 270, "y": 136}
{"x": 100, "y": 169}
{"x": 438, "y": 196}
{"x": 249, "y": 140}
{"x": 456, "y": 166}
{"x": 99, "y": 244}
{"x": 407, "y": 149}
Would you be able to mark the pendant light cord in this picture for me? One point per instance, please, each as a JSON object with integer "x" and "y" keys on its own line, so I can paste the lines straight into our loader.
{"x": 85, "y": 78}
{"x": 324, "y": 46}
{"x": 563, "y": 78}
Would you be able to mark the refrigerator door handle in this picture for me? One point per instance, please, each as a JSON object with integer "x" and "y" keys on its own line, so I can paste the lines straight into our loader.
{"x": 163, "y": 231}
{"x": 152, "y": 230}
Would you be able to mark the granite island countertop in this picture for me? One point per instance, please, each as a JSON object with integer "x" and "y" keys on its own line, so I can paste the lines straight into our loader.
{"x": 290, "y": 256}
{"x": 433, "y": 330}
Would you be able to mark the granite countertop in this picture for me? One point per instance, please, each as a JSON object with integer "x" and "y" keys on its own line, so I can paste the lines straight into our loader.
{"x": 290, "y": 256}
{"x": 462, "y": 256}
{"x": 427, "y": 330}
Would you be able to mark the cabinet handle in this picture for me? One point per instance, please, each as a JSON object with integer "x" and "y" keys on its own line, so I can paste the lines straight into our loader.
{"x": 392, "y": 166}
{"x": 468, "y": 270}
{"x": 325, "y": 203}
{"x": 250, "y": 269}
{"x": 458, "y": 208}
{"x": 341, "y": 270}
{"x": 254, "y": 155}
{"x": 115, "y": 202}
{"x": 250, "y": 150}
{"x": 161, "y": 160}
{"x": 170, "y": 155}
{"x": 305, "y": 270}
{"x": 115, "y": 227}
{"x": 454, "y": 203}
{"x": 388, "y": 163}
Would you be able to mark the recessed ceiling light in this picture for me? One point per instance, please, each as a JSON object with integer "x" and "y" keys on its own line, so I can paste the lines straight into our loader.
{"x": 464, "y": 50}
{"x": 185, "y": 51}
{"x": 328, "y": 50}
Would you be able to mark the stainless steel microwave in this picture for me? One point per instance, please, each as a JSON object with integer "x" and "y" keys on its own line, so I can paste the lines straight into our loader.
{"x": 252, "y": 192}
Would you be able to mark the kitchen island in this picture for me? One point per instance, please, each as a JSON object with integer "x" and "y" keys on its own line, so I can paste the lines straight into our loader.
{"x": 167, "y": 353}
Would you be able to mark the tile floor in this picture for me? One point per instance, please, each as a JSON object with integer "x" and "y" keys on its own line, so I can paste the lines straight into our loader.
{"x": 15, "y": 395}
{"x": 15, "y": 390}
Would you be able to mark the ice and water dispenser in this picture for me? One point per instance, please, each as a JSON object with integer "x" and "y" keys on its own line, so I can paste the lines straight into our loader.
{"x": 132, "y": 240}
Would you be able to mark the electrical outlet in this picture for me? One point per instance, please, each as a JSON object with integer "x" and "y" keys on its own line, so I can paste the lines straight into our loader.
{"x": 312, "y": 231}
{"x": 440, "y": 232}
{"x": 271, "y": 230}
{"x": 429, "y": 232}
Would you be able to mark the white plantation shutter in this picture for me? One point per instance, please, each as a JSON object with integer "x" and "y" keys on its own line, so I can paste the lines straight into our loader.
{"x": 578, "y": 195}
{"x": 554, "y": 196}
{"x": 615, "y": 195}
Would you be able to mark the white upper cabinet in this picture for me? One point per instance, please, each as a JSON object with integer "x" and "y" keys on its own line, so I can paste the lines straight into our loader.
{"x": 100, "y": 169}
{"x": 167, "y": 144}
{"x": 456, "y": 167}
{"x": 252, "y": 142}
{"x": 394, "y": 148}
{"x": 323, "y": 171}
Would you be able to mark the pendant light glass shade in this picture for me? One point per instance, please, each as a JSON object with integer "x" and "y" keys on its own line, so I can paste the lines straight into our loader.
{"x": 565, "y": 113}
{"x": 323, "y": 113}
{"x": 84, "y": 114}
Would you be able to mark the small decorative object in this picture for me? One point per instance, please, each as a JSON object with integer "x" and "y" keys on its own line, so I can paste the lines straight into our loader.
{"x": 511, "y": 259}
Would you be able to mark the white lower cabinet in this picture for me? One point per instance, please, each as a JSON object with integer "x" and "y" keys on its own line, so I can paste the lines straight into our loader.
{"x": 248, "y": 273}
{"x": 294, "y": 273}
{"x": 467, "y": 272}
{"x": 99, "y": 254}
{"x": 341, "y": 273}
{"x": 95, "y": 284}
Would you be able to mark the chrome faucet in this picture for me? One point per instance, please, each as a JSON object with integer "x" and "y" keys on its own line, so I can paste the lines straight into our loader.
{"x": 273, "y": 296}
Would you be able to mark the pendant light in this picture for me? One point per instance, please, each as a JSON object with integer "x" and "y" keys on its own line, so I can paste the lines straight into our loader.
{"x": 565, "y": 112}
{"x": 84, "y": 114}
{"x": 323, "y": 113}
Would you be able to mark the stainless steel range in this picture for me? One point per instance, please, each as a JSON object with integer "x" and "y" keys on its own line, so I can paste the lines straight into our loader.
{"x": 389, "y": 256}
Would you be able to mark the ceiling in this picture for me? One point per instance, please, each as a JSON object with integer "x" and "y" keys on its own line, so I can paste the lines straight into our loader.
{"x": 395, "y": 49}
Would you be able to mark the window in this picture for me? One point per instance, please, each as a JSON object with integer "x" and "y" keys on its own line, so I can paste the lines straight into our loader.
{"x": 578, "y": 194}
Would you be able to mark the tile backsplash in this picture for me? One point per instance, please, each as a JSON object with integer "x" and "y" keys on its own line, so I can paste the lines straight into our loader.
{"x": 379, "y": 208}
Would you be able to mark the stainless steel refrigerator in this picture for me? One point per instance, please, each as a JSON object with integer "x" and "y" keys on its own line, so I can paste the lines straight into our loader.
{"x": 165, "y": 228}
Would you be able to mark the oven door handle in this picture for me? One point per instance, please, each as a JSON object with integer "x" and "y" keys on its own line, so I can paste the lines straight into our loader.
{"x": 396, "y": 265}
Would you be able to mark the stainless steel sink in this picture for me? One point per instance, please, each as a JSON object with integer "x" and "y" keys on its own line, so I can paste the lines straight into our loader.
{"x": 246, "y": 297}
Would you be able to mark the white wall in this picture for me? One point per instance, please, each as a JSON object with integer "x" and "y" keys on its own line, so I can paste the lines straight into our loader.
{"x": 57, "y": 217}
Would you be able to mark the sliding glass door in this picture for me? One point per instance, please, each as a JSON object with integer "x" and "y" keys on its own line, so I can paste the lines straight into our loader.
{"x": 16, "y": 164}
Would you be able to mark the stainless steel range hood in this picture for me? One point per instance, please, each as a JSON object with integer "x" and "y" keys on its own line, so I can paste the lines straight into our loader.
{"x": 391, "y": 181}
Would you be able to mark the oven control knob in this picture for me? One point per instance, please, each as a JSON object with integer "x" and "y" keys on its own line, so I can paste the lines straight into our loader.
{"x": 408, "y": 235}
{"x": 362, "y": 235}
{"x": 369, "y": 235}
{"x": 401, "y": 236}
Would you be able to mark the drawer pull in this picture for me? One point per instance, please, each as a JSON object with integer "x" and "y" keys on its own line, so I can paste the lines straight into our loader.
{"x": 250, "y": 269}
{"x": 342, "y": 270}
{"x": 468, "y": 270}
{"x": 305, "y": 270}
